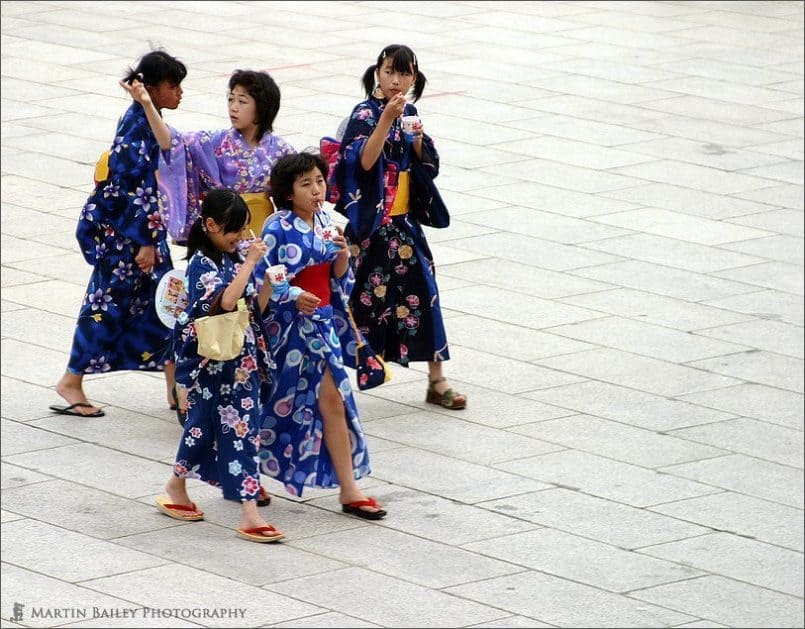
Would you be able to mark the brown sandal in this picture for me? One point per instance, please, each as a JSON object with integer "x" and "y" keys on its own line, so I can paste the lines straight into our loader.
{"x": 449, "y": 399}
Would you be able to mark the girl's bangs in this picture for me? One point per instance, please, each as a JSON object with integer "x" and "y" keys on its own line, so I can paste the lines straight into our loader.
{"x": 403, "y": 61}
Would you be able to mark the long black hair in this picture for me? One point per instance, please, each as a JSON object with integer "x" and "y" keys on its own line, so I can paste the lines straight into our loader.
{"x": 155, "y": 67}
{"x": 403, "y": 59}
{"x": 265, "y": 92}
{"x": 228, "y": 209}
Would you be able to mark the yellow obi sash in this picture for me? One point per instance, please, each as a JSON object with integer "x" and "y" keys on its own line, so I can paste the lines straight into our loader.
{"x": 400, "y": 205}
{"x": 259, "y": 209}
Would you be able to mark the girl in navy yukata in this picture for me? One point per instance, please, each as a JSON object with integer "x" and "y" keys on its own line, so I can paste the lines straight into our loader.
{"x": 311, "y": 435}
{"x": 387, "y": 192}
{"x": 223, "y": 398}
{"x": 122, "y": 236}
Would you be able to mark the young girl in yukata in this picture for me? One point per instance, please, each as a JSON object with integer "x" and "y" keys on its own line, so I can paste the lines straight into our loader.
{"x": 311, "y": 434}
{"x": 121, "y": 234}
{"x": 222, "y": 398}
{"x": 387, "y": 192}
{"x": 239, "y": 158}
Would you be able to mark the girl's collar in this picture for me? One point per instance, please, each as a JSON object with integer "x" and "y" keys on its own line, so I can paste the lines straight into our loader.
{"x": 242, "y": 138}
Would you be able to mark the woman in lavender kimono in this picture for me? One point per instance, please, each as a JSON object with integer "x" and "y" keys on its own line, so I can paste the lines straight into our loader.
{"x": 222, "y": 397}
{"x": 122, "y": 236}
{"x": 239, "y": 158}
{"x": 387, "y": 192}
{"x": 311, "y": 434}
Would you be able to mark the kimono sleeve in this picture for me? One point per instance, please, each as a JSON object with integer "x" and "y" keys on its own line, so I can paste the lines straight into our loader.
{"x": 426, "y": 204}
{"x": 186, "y": 171}
{"x": 362, "y": 191}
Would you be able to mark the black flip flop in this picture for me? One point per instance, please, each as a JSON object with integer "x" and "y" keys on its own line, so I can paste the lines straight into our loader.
{"x": 354, "y": 508}
{"x": 68, "y": 410}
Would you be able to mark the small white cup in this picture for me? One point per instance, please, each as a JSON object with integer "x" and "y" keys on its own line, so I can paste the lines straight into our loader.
{"x": 328, "y": 233}
{"x": 337, "y": 219}
{"x": 277, "y": 274}
{"x": 410, "y": 124}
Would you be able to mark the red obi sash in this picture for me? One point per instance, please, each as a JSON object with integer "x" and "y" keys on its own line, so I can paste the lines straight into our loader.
{"x": 315, "y": 279}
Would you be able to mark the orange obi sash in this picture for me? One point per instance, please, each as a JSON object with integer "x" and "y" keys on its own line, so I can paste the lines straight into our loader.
{"x": 315, "y": 279}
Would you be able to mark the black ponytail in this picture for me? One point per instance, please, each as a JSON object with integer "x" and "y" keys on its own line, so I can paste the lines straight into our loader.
{"x": 368, "y": 80}
{"x": 197, "y": 239}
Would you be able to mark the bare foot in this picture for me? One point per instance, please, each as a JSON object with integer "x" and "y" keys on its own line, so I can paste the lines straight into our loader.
{"x": 69, "y": 387}
{"x": 251, "y": 520}
{"x": 177, "y": 492}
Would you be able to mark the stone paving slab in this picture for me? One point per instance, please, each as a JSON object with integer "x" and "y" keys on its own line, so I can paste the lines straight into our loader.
{"x": 744, "y": 515}
{"x": 622, "y": 288}
{"x": 53, "y": 596}
{"x": 400, "y": 603}
{"x": 713, "y": 596}
{"x": 747, "y": 475}
{"x": 92, "y": 512}
{"x": 408, "y": 557}
{"x": 739, "y": 558}
{"x": 605, "y": 478}
{"x": 582, "y": 560}
{"x": 148, "y": 587}
{"x": 622, "y": 442}
{"x": 602, "y": 520}
{"x": 67, "y": 555}
{"x": 565, "y": 603}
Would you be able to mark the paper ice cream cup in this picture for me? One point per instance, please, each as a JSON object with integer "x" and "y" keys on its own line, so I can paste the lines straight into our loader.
{"x": 410, "y": 124}
{"x": 277, "y": 274}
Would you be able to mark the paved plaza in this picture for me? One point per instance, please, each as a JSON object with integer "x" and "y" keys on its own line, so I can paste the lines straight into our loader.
{"x": 623, "y": 288}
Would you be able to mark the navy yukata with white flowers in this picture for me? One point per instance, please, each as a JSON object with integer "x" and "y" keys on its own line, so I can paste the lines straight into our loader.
{"x": 117, "y": 326}
{"x": 221, "y": 435}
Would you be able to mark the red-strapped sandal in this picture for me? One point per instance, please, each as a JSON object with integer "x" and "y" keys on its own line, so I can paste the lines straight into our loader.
{"x": 258, "y": 534}
{"x": 179, "y": 512}
{"x": 354, "y": 508}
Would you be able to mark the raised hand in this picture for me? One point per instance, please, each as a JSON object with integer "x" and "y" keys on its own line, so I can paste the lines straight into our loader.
{"x": 257, "y": 249}
{"x": 394, "y": 108}
{"x": 137, "y": 91}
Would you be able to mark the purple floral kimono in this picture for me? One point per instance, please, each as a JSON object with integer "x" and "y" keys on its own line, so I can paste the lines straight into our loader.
{"x": 199, "y": 161}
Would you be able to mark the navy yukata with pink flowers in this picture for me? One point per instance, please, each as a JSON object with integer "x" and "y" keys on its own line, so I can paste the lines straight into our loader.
{"x": 117, "y": 326}
{"x": 395, "y": 301}
{"x": 221, "y": 435}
